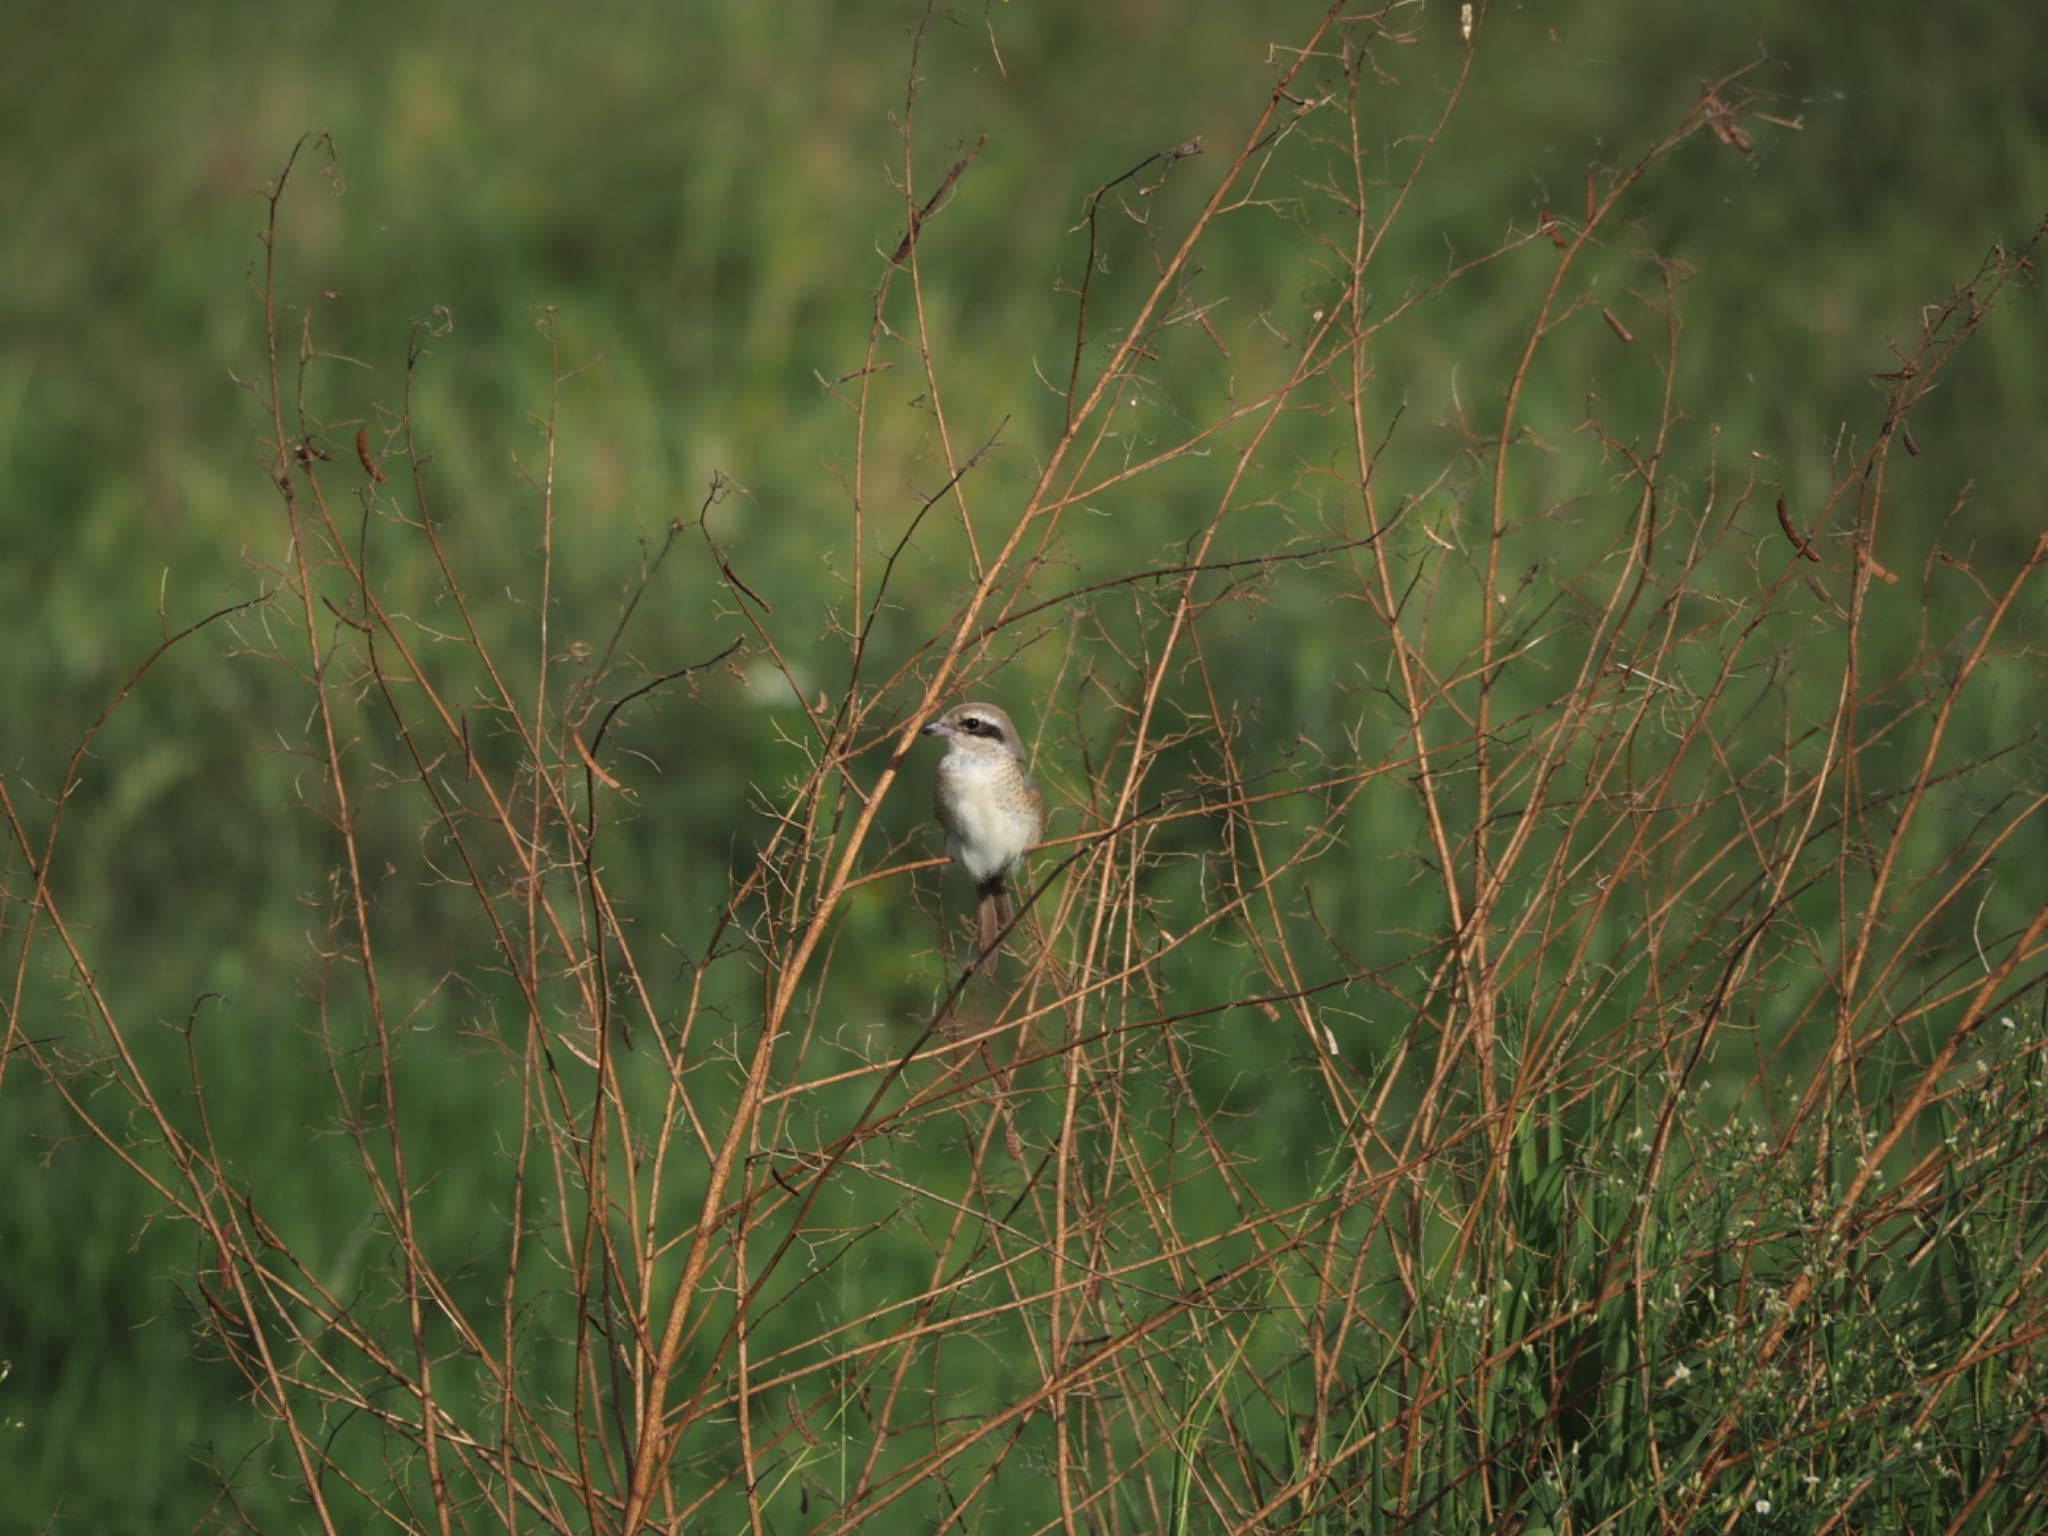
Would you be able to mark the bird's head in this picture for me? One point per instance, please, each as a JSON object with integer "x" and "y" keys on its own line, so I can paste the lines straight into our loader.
{"x": 976, "y": 728}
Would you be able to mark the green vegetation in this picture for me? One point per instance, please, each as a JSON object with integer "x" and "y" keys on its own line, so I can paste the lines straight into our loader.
{"x": 1532, "y": 1017}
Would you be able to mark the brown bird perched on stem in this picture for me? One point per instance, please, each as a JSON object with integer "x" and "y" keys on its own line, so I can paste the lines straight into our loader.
{"x": 991, "y": 810}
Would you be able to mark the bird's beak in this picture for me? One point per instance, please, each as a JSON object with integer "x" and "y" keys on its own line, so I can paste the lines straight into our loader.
{"x": 936, "y": 728}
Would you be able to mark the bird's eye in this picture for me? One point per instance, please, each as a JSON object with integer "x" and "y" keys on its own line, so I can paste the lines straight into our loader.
{"x": 973, "y": 725}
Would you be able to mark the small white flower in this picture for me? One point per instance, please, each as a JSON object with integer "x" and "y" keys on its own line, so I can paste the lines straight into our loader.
{"x": 1682, "y": 1372}
{"x": 2008, "y": 1023}
{"x": 1763, "y": 1506}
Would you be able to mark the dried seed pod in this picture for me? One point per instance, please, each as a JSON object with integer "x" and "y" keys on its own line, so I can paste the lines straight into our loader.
{"x": 363, "y": 453}
{"x": 1792, "y": 534}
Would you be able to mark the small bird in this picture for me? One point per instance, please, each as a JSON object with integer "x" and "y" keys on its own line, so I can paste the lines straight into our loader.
{"x": 991, "y": 810}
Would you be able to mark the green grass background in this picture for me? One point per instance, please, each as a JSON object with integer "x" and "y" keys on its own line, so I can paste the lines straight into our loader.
{"x": 702, "y": 197}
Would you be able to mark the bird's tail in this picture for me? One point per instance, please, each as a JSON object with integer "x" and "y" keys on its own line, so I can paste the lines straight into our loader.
{"x": 992, "y": 914}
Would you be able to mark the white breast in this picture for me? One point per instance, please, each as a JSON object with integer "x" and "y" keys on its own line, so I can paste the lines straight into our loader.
{"x": 989, "y": 823}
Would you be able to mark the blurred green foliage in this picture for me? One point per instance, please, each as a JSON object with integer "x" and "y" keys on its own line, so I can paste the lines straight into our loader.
{"x": 702, "y": 198}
